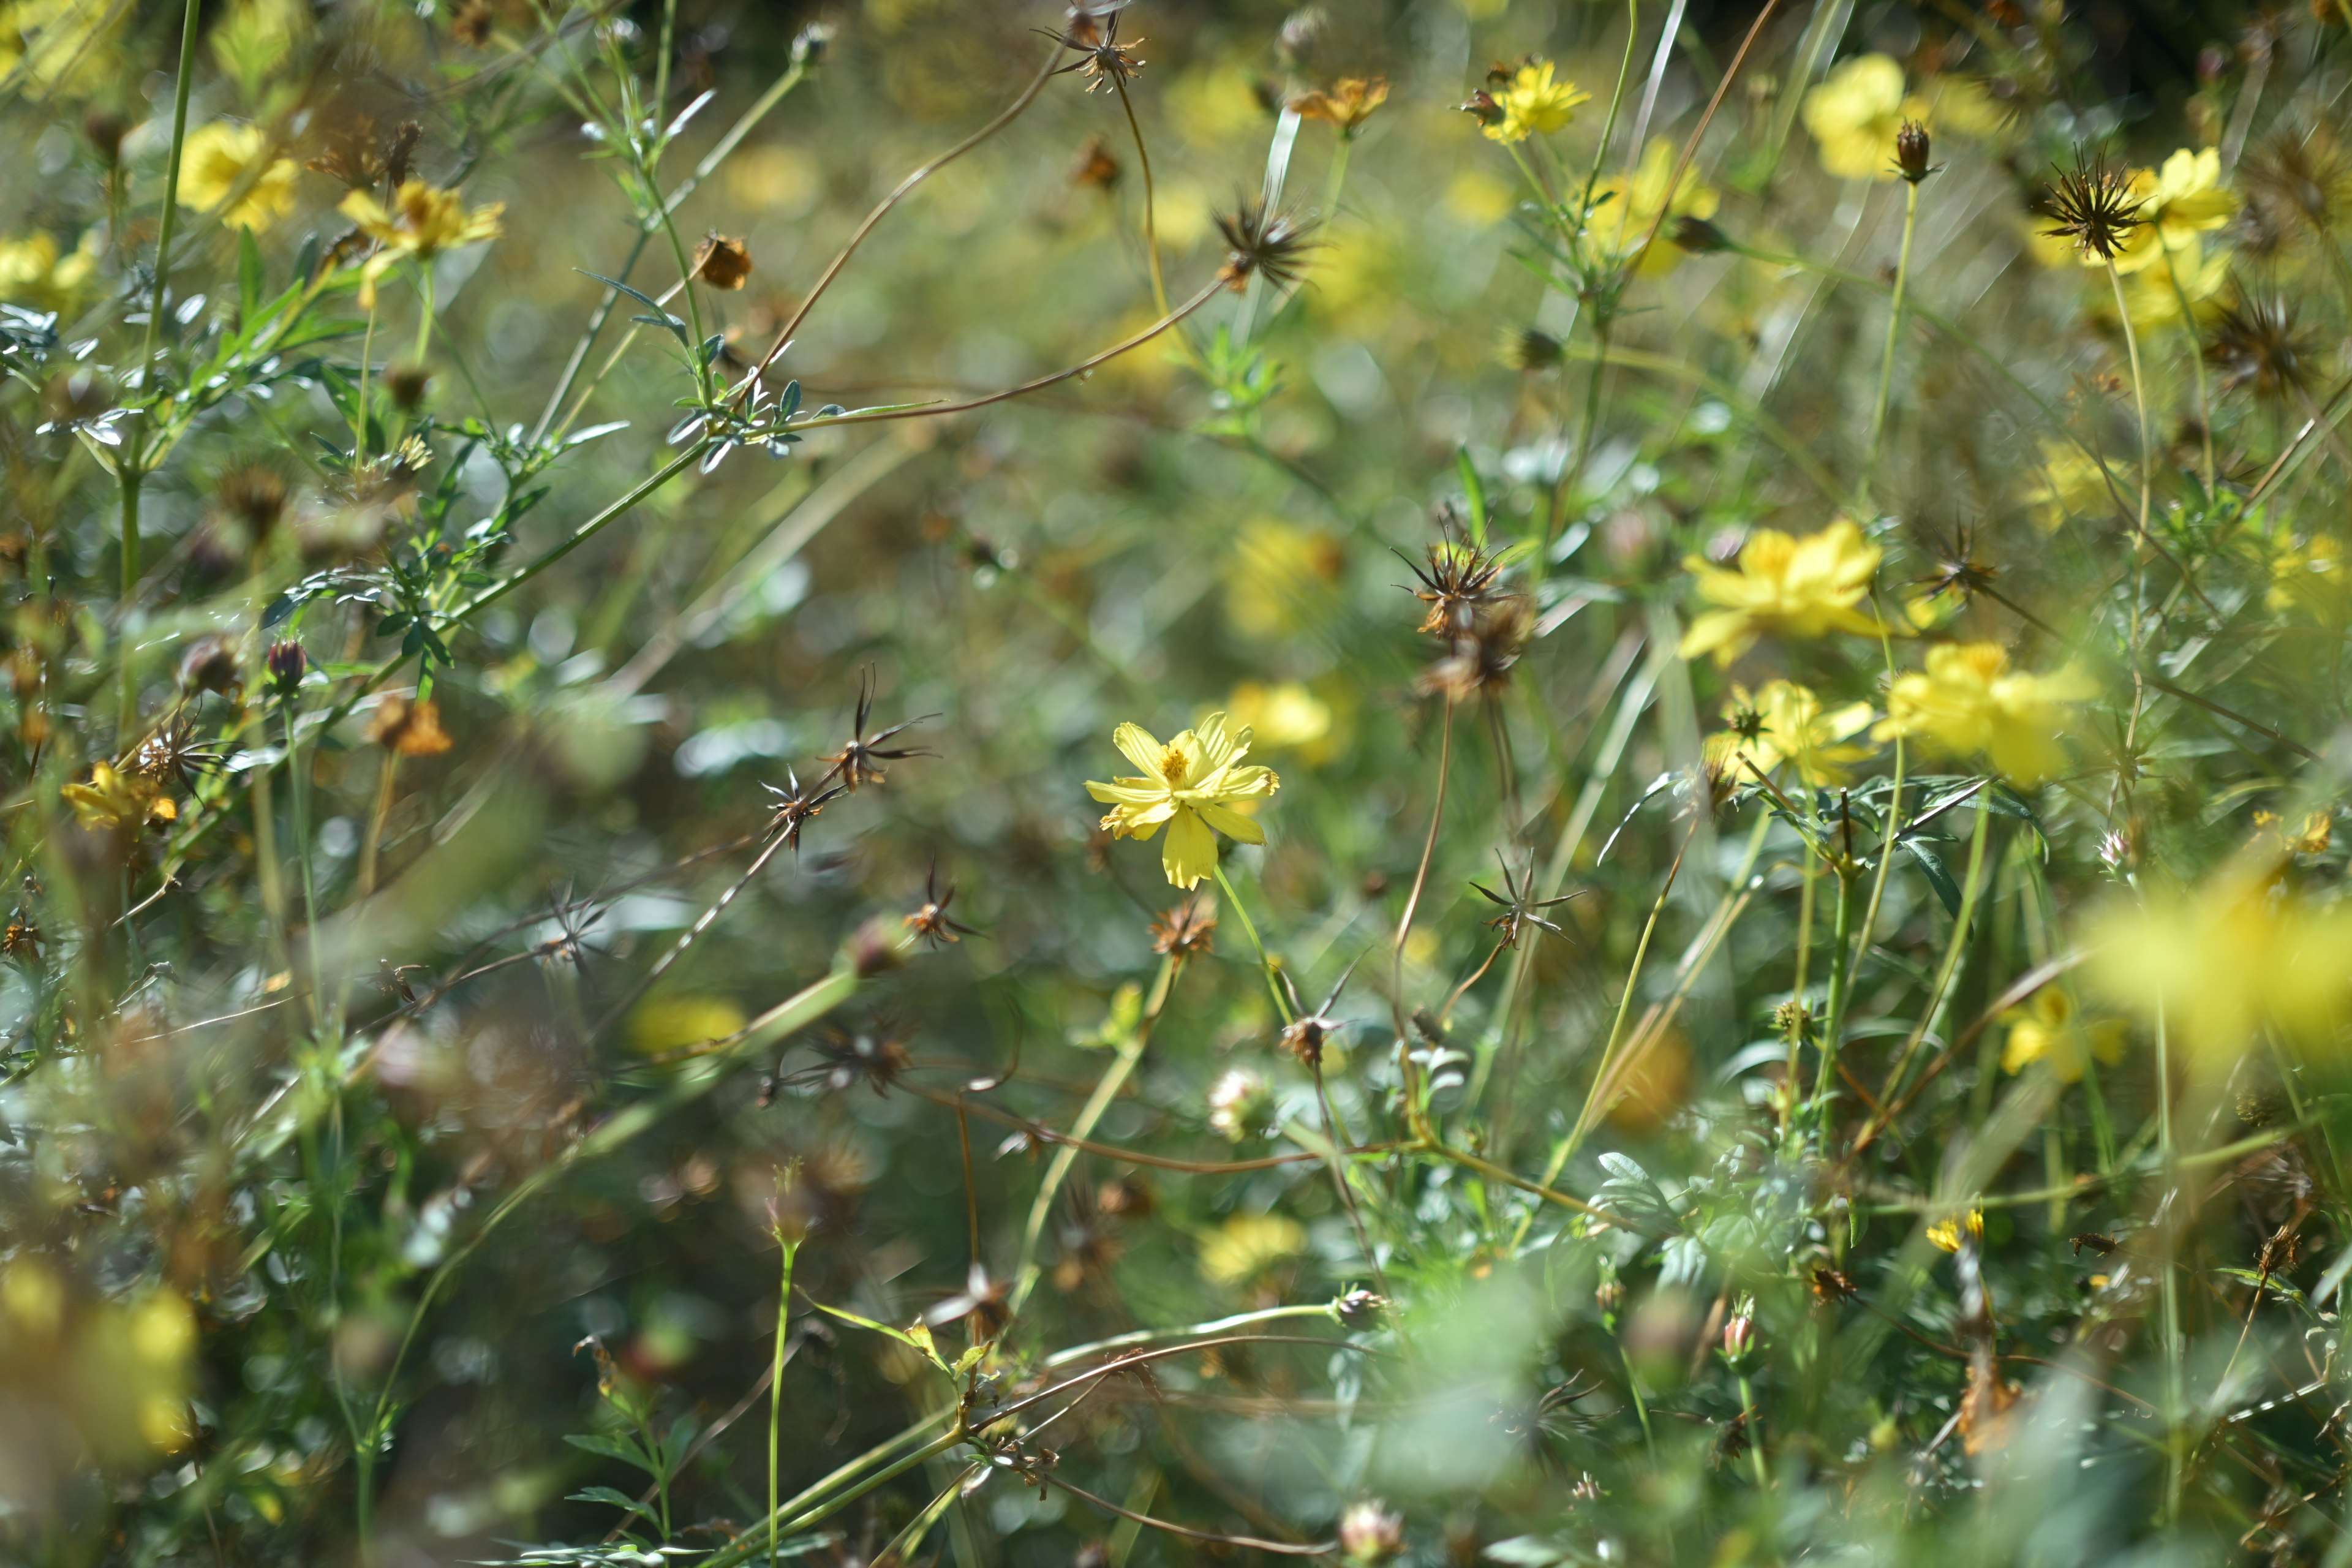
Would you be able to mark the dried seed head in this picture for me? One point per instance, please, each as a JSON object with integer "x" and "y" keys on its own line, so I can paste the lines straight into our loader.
{"x": 254, "y": 498}
{"x": 2257, "y": 341}
{"x": 1912, "y": 151}
{"x": 1529, "y": 349}
{"x": 2091, "y": 204}
{"x": 1185, "y": 930}
{"x": 1260, "y": 243}
{"x": 406, "y": 385}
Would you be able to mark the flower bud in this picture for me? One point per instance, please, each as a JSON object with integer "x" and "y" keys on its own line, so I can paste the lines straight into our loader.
{"x": 1240, "y": 1103}
{"x": 209, "y": 664}
{"x": 287, "y": 663}
{"x": 1912, "y": 149}
{"x": 1740, "y": 1333}
{"x": 1371, "y": 1533}
{"x": 873, "y": 947}
{"x": 1608, "y": 1295}
{"x": 1360, "y": 1308}
{"x": 810, "y": 44}
{"x": 1698, "y": 235}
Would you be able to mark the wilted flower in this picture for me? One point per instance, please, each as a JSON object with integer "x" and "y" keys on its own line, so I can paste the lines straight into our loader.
{"x": 225, "y": 157}
{"x": 1530, "y": 101}
{"x": 1790, "y": 587}
{"x": 1196, "y": 785}
{"x": 1102, "y": 60}
{"x": 422, "y": 221}
{"x": 1479, "y": 657}
{"x": 1626, "y": 208}
{"x": 408, "y": 727}
{"x": 1854, "y": 116}
{"x": 1262, "y": 243}
{"x": 1371, "y": 1533}
{"x": 931, "y": 922}
{"x": 1185, "y": 930}
{"x": 722, "y": 262}
{"x": 1240, "y": 1103}
{"x": 2046, "y": 1029}
{"x": 1946, "y": 1233}
{"x": 1347, "y": 104}
{"x": 1969, "y": 700}
{"x": 1785, "y": 723}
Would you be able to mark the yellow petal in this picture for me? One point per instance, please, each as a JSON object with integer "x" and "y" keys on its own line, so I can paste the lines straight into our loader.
{"x": 1191, "y": 852}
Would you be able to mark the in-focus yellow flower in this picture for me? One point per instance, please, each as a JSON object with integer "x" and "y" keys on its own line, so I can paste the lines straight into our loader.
{"x": 1785, "y": 722}
{"x": 422, "y": 221}
{"x": 1249, "y": 1245}
{"x": 33, "y": 273}
{"x": 1791, "y": 587}
{"x": 1629, "y": 205}
{"x": 1854, "y": 115}
{"x": 1969, "y": 700}
{"x": 119, "y": 800}
{"x": 222, "y": 158}
{"x": 2177, "y": 202}
{"x": 1533, "y": 102}
{"x": 2071, "y": 485}
{"x": 1196, "y": 785}
{"x": 1946, "y": 1233}
{"x": 2047, "y": 1029}
{"x": 2224, "y": 959}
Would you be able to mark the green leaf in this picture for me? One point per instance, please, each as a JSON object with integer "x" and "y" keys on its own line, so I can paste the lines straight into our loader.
{"x": 621, "y": 1448}
{"x": 1474, "y": 493}
{"x": 618, "y": 1498}
{"x": 251, "y": 280}
{"x": 1939, "y": 877}
{"x": 915, "y": 1336}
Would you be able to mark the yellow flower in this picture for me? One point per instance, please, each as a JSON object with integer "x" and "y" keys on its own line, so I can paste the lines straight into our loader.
{"x": 2072, "y": 483}
{"x": 1785, "y": 723}
{"x": 1854, "y": 115}
{"x": 2047, "y": 1031}
{"x": 1278, "y": 573}
{"x": 2179, "y": 202}
{"x": 1532, "y": 101}
{"x": 1281, "y": 718}
{"x": 2309, "y": 576}
{"x": 1346, "y": 106}
{"x": 1793, "y": 587}
{"x": 423, "y": 221}
{"x": 1970, "y": 700}
{"x": 1248, "y": 1246}
{"x": 2224, "y": 959}
{"x": 33, "y": 273}
{"x": 1946, "y": 1233}
{"x": 1196, "y": 785}
{"x": 120, "y": 800}
{"x": 1629, "y": 205}
{"x": 2152, "y": 296}
{"x": 223, "y": 159}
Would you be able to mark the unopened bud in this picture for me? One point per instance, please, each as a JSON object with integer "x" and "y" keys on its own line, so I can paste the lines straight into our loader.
{"x": 1360, "y": 1308}
{"x": 287, "y": 663}
{"x": 1912, "y": 149}
{"x": 1740, "y": 1334}
{"x": 810, "y": 45}
{"x": 874, "y": 947}
{"x": 1698, "y": 235}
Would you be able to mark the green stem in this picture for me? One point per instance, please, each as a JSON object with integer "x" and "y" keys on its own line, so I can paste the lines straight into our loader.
{"x": 1265, "y": 960}
{"x": 2196, "y": 365}
{"x": 1841, "y": 980}
{"x": 776, "y": 1386}
{"x": 1893, "y": 333}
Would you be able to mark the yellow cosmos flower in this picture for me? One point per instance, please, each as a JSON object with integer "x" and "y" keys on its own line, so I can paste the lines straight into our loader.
{"x": 1785, "y": 722}
{"x": 1630, "y": 205}
{"x": 2046, "y": 1029}
{"x": 222, "y": 158}
{"x": 1249, "y": 1245}
{"x": 1854, "y": 115}
{"x": 1281, "y": 718}
{"x": 423, "y": 221}
{"x": 2179, "y": 202}
{"x": 120, "y": 800}
{"x": 1793, "y": 587}
{"x": 2228, "y": 958}
{"x": 1532, "y": 101}
{"x": 2070, "y": 485}
{"x": 33, "y": 273}
{"x": 1196, "y": 785}
{"x": 1946, "y": 1233}
{"x": 1969, "y": 700}
{"x": 2152, "y": 296}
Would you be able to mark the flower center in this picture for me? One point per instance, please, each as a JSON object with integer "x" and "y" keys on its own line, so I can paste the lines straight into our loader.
{"x": 1173, "y": 767}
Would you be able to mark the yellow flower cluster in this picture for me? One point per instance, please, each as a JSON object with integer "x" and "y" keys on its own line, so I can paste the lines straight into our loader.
{"x": 31, "y": 272}
{"x": 1534, "y": 102}
{"x": 1947, "y": 1233}
{"x": 115, "y": 799}
{"x": 1784, "y": 586}
{"x": 1970, "y": 702}
{"x": 1196, "y": 785}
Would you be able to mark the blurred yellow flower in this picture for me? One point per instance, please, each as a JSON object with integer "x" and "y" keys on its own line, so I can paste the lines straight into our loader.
{"x": 2154, "y": 294}
{"x": 113, "y": 799}
{"x": 1346, "y": 106}
{"x": 1793, "y": 587}
{"x": 1278, "y": 571}
{"x": 2224, "y": 958}
{"x": 2072, "y": 484}
{"x": 1477, "y": 198}
{"x": 1533, "y": 102}
{"x": 1280, "y": 717}
{"x": 31, "y": 272}
{"x": 1785, "y": 722}
{"x": 423, "y": 221}
{"x": 224, "y": 158}
{"x": 2179, "y": 202}
{"x": 1946, "y": 1233}
{"x": 2046, "y": 1029}
{"x": 2309, "y": 576}
{"x": 1248, "y": 1246}
{"x": 670, "y": 1023}
{"x": 59, "y": 42}
{"x": 1629, "y": 205}
{"x": 1854, "y": 115}
{"x": 1196, "y": 785}
{"x": 1969, "y": 700}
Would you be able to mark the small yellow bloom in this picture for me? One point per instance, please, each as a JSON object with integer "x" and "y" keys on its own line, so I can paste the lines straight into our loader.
{"x": 223, "y": 158}
{"x": 1969, "y": 700}
{"x": 1946, "y": 1233}
{"x": 1791, "y": 587}
{"x": 2225, "y": 959}
{"x": 1854, "y": 115}
{"x": 423, "y": 221}
{"x": 1785, "y": 722}
{"x": 1533, "y": 102}
{"x": 1248, "y": 1246}
{"x": 1281, "y": 718}
{"x": 1196, "y": 785}
{"x": 33, "y": 273}
{"x": 2072, "y": 484}
{"x": 120, "y": 800}
{"x": 2047, "y": 1031}
{"x": 2179, "y": 202}
{"x": 1629, "y": 205}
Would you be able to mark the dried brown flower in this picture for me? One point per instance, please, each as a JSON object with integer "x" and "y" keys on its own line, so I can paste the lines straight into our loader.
{"x": 1260, "y": 243}
{"x": 1479, "y": 658}
{"x": 408, "y": 727}
{"x": 930, "y": 923}
{"x": 1186, "y": 930}
{"x": 2257, "y": 341}
{"x": 2091, "y": 204}
{"x": 1093, "y": 32}
{"x": 722, "y": 262}
{"x": 1096, "y": 166}
{"x": 1347, "y": 105}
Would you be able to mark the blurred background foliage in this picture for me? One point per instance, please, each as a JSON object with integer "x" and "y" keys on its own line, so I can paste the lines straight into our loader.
{"x": 426, "y": 1046}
